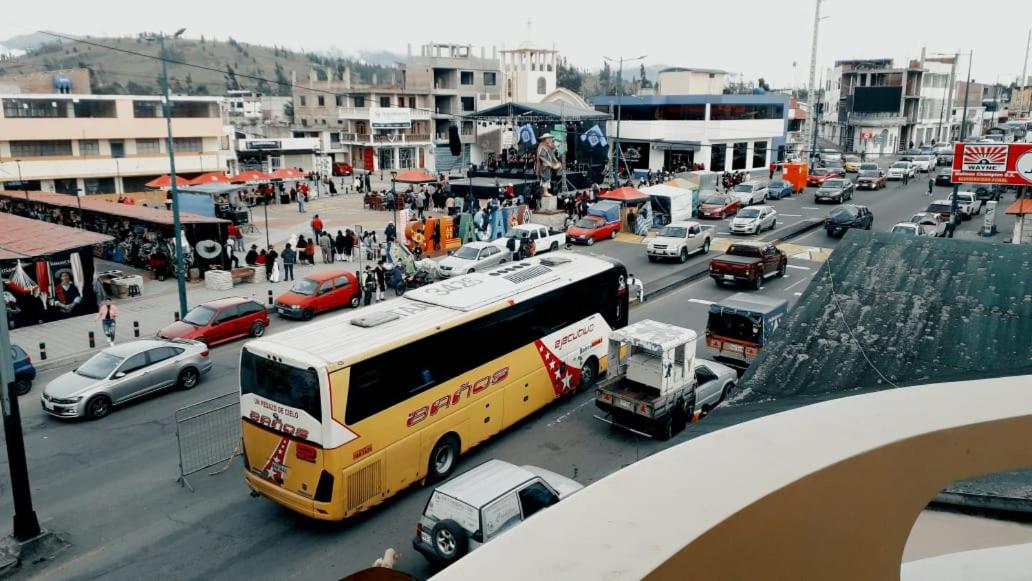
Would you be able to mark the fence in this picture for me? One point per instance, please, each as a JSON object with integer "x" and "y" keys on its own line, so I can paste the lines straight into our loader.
{"x": 207, "y": 433}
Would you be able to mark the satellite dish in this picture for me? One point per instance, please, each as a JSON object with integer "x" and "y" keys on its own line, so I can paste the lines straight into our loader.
{"x": 208, "y": 249}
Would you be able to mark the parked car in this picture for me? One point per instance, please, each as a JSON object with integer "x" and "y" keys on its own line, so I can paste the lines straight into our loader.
{"x": 476, "y": 506}
{"x": 219, "y": 321}
{"x": 749, "y": 193}
{"x": 944, "y": 177}
{"x": 820, "y": 175}
{"x": 923, "y": 163}
{"x": 591, "y": 229}
{"x": 715, "y": 382}
{"x": 748, "y": 262}
{"x": 931, "y": 224}
{"x": 848, "y": 216}
{"x": 836, "y": 190}
{"x": 900, "y": 169}
{"x": 834, "y": 165}
{"x": 342, "y": 169}
{"x": 778, "y": 189}
{"x": 319, "y": 292}
{"x": 968, "y": 204}
{"x": 718, "y": 206}
{"x": 851, "y": 163}
{"x": 869, "y": 166}
{"x": 827, "y": 155}
{"x": 941, "y": 207}
{"x": 678, "y": 240}
{"x": 545, "y": 239}
{"x": 24, "y": 371}
{"x": 471, "y": 257}
{"x": 926, "y": 149}
{"x": 753, "y": 220}
{"x": 125, "y": 372}
{"x": 871, "y": 180}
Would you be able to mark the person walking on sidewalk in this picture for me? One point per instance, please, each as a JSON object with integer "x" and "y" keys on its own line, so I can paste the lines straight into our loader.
{"x": 252, "y": 256}
{"x": 300, "y": 203}
{"x": 289, "y": 257}
{"x": 931, "y": 186}
{"x": 346, "y": 244}
{"x": 235, "y": 236}
{"x": 231, "y": 255}
{"x": 637, "y": 287}
{"x": 326, "y": 245}
{"x": 317, "y": 226}
{"x": 369, "y": 285}
{"x": 906, "y": 178}
{"x": 310, "y": 252}
{"x": 108, "y": 315}
{"x": 270, "y": 262}
{"x": 381, "y": 279}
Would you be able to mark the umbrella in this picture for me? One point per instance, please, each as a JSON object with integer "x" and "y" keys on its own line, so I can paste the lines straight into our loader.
{"x": 248, "y": 177}
{"x": 625, "y": 194}
{"x": 415, "y": 176}
{"x": 212, "y": 177}
{"x": 165, "y": 181}
{"x": 285, "y": 174}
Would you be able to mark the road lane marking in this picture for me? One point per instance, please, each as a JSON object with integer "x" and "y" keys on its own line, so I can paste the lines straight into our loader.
{"x": 797, "y": 294}
{"x": 567, "y": 415}
{"x": 701, "y": 301}
{"x": 791, "y": 215}
{"x": 798, "y": 267}
{"x": 795, "y": 284}
{"x": 809, "y": 208}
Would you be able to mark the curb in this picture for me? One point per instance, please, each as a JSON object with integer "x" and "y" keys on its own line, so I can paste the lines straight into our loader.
{"x": 63, "y": 361}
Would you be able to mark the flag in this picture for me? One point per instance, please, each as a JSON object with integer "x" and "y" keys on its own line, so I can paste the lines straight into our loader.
{"x": 526, "y": 133}
{"x": 595, "y": 137}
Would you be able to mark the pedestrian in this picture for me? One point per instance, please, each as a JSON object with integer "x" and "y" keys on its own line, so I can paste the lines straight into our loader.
{"x": 338, "y": 246}
{"x": 513, "y": 246}
{"x": 906, "y": 177}
{"x": 310, "y": 252}
{"x": 263, "y": 257}
{"x": 951, "y": 225}
{"x": 300, "y": 204}
{"x": 235, "y": 236}
{"x": 390, "y": 232}
{"x": 637, "y": 287}
{"x": 326, "y": 245}
{"x": 369, "y": 285}
{"x": 231, "y": 255}
{"x": 931, "y": 186}
{"x": 108, "y": 315}
{"x": 270, "y": 262}
{"x": 381, "y": 279}
{"x": 317, "y": 226}
{"x": 252, "y": 256}
{"x": 345, "y": 243}
{"x": 289, "y": 256}
{"x": 773, "y": 168}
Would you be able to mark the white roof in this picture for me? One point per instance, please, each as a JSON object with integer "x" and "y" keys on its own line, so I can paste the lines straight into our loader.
{"x": 486, "y": 482}
{"x": 344, "y": 337}
{"x": 668, "y": 191}
{"x": 654, "y": 336}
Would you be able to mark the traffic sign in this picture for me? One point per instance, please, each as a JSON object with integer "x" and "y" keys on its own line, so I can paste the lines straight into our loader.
{"x": 995, "y": 163}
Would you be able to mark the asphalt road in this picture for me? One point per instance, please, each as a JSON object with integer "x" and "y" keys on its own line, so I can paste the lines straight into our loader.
{"x": 109, "y": 487}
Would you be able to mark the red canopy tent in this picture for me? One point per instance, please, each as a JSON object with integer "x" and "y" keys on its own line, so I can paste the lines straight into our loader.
{"x": 249, "y": 177}
{"x": 415, "y": 176}
{"x": 212, "y": 177}
{"x": 286, "y": 174}
{"x": 165, "y": 181}
{"x": 625, "y": 195}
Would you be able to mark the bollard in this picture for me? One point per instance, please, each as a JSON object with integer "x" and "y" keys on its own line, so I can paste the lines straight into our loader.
{"x": 176, "y": 315}
{"x": 42, "y": 351}
{"x": 93, "y": 340}
{"x": 136, "y": 328}
{"x": 270, "y": 297}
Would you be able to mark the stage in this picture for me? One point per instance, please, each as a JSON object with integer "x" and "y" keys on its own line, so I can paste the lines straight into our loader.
{"x": 484, "y": 188}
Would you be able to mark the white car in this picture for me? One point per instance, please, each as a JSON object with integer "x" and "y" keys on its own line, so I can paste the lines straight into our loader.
{"x": 751, "y": 192}
{"x": 471, "y": 257}
{"x": 753, "y": 220}
{"x": 923, "y": 163}
{"x": 544, "y": 238}
{"x": 678, "y": 240}
{"x": 715, "y": 381}
{"x": 900, "y": 169}
{"x": 930, "y": 223}
{"x": 968, "y": 203}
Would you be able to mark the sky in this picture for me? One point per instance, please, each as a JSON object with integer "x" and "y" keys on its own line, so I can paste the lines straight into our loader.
{"x": 751, "y": 38}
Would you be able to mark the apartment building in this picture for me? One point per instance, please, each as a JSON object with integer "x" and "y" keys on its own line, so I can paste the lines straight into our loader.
{"x": 933, "y": 118}
{"x": 106, "y": 144}
{"x": 458, "y": 82}
{"x": 372, "y": 127}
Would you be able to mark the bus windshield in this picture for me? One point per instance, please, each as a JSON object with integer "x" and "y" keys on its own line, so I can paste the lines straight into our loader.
{"x": 283, "y": 384}
{"x": 735, "y": 326}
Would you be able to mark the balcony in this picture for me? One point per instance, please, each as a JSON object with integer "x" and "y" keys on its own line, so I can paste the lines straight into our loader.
{"x": 383, "y": 138}
{"x": 362, "y": 113}
{"x": 891, "y": 119}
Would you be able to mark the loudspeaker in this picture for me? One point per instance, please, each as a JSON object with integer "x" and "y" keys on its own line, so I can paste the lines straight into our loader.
{"x": 571, "y": 146}
{"x": 454, "y": 142}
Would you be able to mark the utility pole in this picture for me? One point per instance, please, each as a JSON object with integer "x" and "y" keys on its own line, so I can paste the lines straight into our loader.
{"x": 963, "y": 127}
{"x": 1026, "y": 99}
{"x": 176, "y": 225}
{"x": 617, "y": 154}
{"x": 949, "y": 99}
{"x": 21, "y": 182}
{"x": 811, "y": 94}
{"x": 26, "y": 525}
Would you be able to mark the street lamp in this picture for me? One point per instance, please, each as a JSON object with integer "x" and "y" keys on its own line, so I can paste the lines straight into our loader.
{"x": 176, "y": 226}
{"x": 619, "y": 90}
{"x": 21, "y": 182}
{"x": 963, "y": 127}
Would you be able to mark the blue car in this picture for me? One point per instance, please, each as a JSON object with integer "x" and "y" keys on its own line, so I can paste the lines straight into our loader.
{"x": 24, "y": 372}
{"x": 779, "y": 189}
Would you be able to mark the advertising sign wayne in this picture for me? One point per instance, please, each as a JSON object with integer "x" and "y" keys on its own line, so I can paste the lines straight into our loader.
{"x": 1003, "y": 163}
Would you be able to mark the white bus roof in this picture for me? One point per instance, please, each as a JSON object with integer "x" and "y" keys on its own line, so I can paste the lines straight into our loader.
{"x": 342, "y": 338}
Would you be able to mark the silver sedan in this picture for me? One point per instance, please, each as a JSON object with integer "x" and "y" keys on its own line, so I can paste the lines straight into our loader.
{"x": 473, "y": 256}
{"x": 125, "y": 372}
{"x": 715, "y": 381}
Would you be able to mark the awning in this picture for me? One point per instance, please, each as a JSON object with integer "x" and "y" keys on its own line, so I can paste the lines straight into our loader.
{"x": 625, "y": 194}
{"x": 415, "y": 176}
{"x": 248, "y": 177}
{"x": 683, "y": 184}
{"x": 285, "y": 174}
{"x": 28, "y": 238}
{"x": 212, "y": 189}
{"x": 537, "y": 112}
{"x": 212, "y": 177}
{"x": 153, "y": 215}
{"x": 165, "y": 181}
{"x": 1020, "y": 208}
{"x": 677, "y": 145}
{"x": 666, "y": 190}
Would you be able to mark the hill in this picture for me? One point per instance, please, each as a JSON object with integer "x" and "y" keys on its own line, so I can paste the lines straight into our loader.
{"x": 229, "y": 64}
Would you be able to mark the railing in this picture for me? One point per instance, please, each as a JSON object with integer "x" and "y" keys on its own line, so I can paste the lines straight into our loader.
{"x": 363, "y": 112}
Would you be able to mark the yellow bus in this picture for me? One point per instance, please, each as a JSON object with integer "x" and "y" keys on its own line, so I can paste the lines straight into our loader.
{"x": 343, "y": 413}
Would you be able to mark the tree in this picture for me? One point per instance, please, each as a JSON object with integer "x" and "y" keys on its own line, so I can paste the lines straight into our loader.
{"x": 568, "y": 77}
{"x": 605, "y": 78}
{"x": 231, "y": 80}
{"x": 288, "y": 110}
{"x": 644, "y": 79}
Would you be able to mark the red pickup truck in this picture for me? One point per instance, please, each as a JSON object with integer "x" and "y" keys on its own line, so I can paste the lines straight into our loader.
{"x": 748, "y": 262}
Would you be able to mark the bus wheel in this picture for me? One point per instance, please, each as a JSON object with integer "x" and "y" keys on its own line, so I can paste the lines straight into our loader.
{"x": 443, "y": 458}
{"x": 588, "y": 375}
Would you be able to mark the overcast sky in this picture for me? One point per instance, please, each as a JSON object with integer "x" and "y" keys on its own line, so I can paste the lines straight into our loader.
{"x": 754, "y": 38}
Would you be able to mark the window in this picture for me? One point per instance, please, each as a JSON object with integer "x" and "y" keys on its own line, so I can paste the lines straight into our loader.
{"x": 467, "y": 128}
{"x": 250, "y": 308}
{"x": 99, "y": 185}
{"x": 704, "y": 375}
{"x": 162, "y": 353}
{"x": 283, "y": 384}
{"x": 541, "y": 86}
{"x": 188, "y": 144}
{"x": 718, "y": 154}
{"x": 759, "y": 157}
{"x": 321, "y": 100}
{"x": 147, "y": 109}
{"x": 401, "y": 101}
{"x": 536, "y": 497}
{"x": 326, "y": 288}
{"x": 227, "y": 314}
{"x": 725, "y": 112}
{"x": 339, "y": 100}
{"x": 490, "y": 79}
{"x": 385, "y": 101}
{"x": 303, "y": 103}
{"x": 412, "y": 102}
{"x": 466, "y": 78}
{"x": 117, "y": 148}
{"x": 66, "y": 186}
{"x": 406, "y": 157}
{"x": 134, "y": 363}
{"x": 89, "y": 147}
{"x": 88, "y": 108}
{"x": 341, "y": 281}
{"x": 40, "y": 148}
{"x": 469, "y": 104}
{"x": 34, "y": 108}
{"x": 145, "y": 146}
{"x": 359, "y": 101}
{"x": 738, "y": 155}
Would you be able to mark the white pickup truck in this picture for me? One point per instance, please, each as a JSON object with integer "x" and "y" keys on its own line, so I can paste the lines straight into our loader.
{"x": 678, "y": 240}
{"x": 544, "y": 238}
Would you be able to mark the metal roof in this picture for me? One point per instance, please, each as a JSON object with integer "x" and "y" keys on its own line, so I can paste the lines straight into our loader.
{"x": 28, "y": 238}
{"x": 486, "y": 482}
{"x": 921, "y": 310}
{"x": 749, "y": 302}
{"x": 652, "y": 335}
{"x": 538, "y": 111}
{"x": 131, "y": 211}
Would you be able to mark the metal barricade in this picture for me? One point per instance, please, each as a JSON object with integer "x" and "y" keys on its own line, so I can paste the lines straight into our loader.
{"x": 207, "y": 433}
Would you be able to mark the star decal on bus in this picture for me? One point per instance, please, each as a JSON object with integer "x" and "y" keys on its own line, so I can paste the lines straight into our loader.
{"x": 564, "y": 377}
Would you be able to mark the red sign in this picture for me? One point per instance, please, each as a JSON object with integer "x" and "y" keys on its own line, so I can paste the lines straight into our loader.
{"x": 1004, "y": 163}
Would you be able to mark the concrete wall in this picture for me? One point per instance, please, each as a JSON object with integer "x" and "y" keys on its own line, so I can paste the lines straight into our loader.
{"x": 691, "y": 83}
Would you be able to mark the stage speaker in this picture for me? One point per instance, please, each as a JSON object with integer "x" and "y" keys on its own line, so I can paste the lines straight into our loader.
{"x": 454, "y": 142}
{"x": 571, "y": 147}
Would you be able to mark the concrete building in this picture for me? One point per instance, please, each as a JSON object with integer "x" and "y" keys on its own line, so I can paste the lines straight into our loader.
{"x": 371, "y": 127}
{"x": 720, "y": 132}
{"x": 247, "y": 108}
{"x": 458, "y": 82}
{"x": 933, "y": 119}
{"x": 105, "y": 144}
{"x": 685, "y": 81}
{"x": 871, "y": 106}
{"x": 530, "y": 73}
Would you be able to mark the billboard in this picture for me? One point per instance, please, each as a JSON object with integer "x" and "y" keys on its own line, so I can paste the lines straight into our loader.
{"x": 390, "y": 117}
{"x": 1003, "y": 163}
{"x": 49, "y": 288}
{"x": 877, "y": 99}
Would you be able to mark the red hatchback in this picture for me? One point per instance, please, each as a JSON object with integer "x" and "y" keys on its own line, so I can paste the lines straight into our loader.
{"x": 718, "y": 206}
{"x": 219, "y": 321}
{"x": 822, "y": 174}
{"x": 591, "y": 229}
